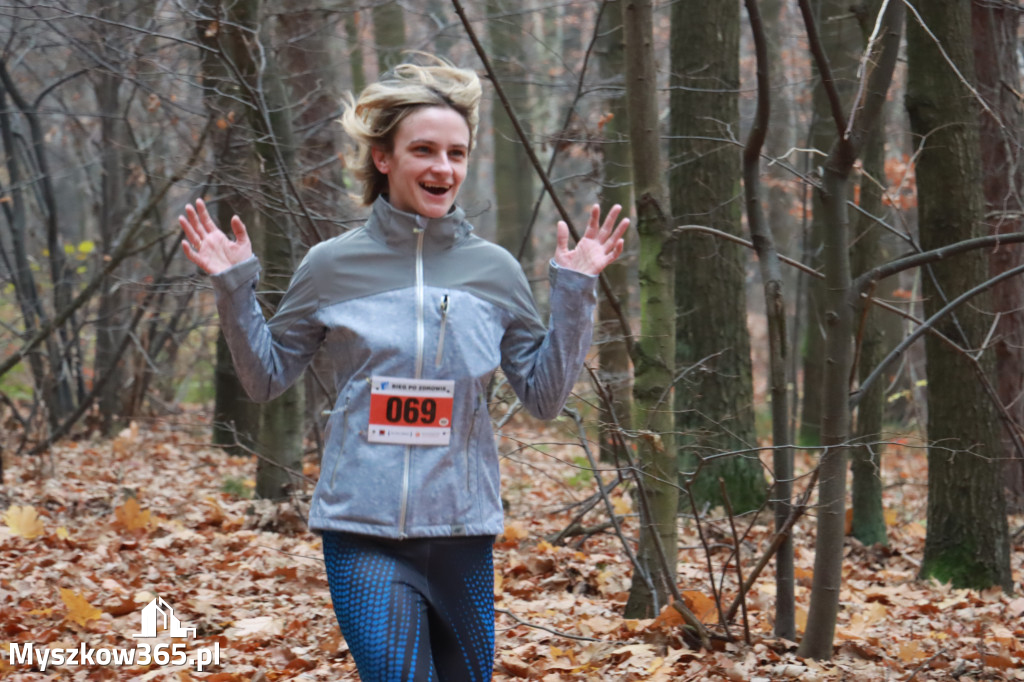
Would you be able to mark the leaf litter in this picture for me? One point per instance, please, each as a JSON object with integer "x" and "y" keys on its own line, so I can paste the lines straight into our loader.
{"x": 154, "y": 512}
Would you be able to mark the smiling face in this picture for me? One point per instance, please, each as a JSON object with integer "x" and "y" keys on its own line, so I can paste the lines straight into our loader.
{"x": 427, "y": 162}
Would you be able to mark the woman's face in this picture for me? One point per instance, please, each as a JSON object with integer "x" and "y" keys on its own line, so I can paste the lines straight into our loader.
{"x": 428, "y": 162}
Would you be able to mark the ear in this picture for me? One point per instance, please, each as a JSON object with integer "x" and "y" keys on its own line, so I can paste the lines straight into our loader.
{"x": 380, "y": 159}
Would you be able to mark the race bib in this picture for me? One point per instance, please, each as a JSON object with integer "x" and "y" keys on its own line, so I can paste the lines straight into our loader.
{"x": 411, "y": 411}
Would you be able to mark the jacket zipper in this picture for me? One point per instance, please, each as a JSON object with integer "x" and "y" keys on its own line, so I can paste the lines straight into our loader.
{"x": 344, "y": 433}
{"x": 445, "y": 305}
{"x": 420, "y": 333}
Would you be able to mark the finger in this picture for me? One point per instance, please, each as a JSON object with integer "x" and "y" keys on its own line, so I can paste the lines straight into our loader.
{"x": 562, "y": 237}
{"x": 618, "y": 236}
{"x": 238, "y": 228}
{"x": 609, "y": 222}
{"x": 593, "y": 222}
{"x": 617, "y": 251}
{"x": 205, "y": 221}
{"x": 188, "y": 226}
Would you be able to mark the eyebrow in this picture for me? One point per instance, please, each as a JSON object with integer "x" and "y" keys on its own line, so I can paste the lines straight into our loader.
{"x": 425, "y": 140}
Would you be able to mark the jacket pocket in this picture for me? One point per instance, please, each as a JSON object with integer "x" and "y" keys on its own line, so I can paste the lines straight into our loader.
{"x": 446, "y": 303}
{"x": 469, "y": 444}
{"x": 341, "y": 440}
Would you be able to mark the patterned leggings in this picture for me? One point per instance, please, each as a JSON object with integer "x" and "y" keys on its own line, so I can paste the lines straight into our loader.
{"x": 414, "y": 610}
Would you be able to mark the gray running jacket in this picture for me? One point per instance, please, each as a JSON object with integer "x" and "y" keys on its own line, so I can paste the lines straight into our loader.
{"x": 414, "y": 297}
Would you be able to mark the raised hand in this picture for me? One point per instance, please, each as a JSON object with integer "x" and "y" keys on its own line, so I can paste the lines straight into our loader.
{"x": 207, "y": 246}
{"x": 600, "y": 245}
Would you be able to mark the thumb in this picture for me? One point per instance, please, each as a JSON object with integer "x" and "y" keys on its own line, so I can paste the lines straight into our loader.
{"x": 562, "y": 237}
{"x": 238, "y": 228}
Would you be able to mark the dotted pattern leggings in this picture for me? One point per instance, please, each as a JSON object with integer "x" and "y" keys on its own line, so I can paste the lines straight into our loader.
{"x": 414, "y": 610}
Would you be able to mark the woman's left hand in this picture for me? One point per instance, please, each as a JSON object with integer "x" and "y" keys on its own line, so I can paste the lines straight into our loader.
{"x": 600, "y": 245}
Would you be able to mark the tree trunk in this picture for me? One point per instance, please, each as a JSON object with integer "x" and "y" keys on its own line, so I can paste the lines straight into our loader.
{"x": 114, "y": 298}
{"x": 235, "y": 417}
{"x": 311, "y": 81}
{"x": 851, "y": 133}
{"x": 871, "y": 341}
{"x": 994, "y": 28}
{"x": 513, "y": 175}
{"x": 281, "y": 419}
{"x": 715, "y": 402}
{"x": 763, "y": 239}
{"x": 354, "y": 46}
{"x": 654, "y": 350}
{"x": 968, "y": 538}
{"x": 388, "y": 33}
{"x": 613, "y": 353}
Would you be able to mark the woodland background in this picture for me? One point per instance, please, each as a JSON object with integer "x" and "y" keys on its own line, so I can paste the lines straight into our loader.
{"x": 816, "y": 185}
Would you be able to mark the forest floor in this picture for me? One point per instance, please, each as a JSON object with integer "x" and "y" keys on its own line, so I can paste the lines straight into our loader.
{"x": 96, "y": 530}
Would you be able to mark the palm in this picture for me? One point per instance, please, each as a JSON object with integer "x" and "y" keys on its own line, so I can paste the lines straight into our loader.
{"x": 209, "y": 247}
{"x": 599, "y": 246}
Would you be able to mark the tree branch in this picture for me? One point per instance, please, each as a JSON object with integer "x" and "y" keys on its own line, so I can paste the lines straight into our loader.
{"x": 613, "y": 300}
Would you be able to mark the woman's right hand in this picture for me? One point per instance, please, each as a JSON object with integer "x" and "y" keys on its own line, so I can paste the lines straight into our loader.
{"x": 207, "y": 246}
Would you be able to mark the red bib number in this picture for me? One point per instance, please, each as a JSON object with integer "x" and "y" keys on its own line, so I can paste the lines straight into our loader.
{"x": 411, "y": 411}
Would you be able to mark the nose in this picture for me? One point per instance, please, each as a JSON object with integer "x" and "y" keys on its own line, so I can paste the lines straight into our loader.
{"x": 442, "y": 164}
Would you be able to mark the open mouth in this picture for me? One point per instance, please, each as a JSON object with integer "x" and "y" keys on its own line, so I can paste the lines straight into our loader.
{"x": 437, "y": 190}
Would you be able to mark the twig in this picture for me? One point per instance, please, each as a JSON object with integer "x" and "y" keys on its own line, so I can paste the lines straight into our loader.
{"x": 928, "y": 324}
{"x": 739, "y": 561}
{"x": 780, "y": 536}
{"x": 550, "y": 629}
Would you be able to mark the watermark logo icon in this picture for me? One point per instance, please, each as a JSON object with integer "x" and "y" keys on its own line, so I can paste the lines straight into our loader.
{"x": 158, "y": 614}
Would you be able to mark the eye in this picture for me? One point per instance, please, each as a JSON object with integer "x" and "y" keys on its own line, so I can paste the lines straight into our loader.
{"x": 457, "y": 154}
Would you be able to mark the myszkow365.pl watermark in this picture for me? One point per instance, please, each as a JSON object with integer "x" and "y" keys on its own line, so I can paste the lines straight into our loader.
{"x": 157, "y": 615}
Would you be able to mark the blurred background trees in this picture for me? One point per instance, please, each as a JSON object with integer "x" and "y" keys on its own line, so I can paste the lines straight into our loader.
{"x": 115, "y": 114}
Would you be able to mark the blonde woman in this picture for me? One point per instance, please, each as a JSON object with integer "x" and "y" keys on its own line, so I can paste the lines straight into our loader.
{"x": 416, "y": 313}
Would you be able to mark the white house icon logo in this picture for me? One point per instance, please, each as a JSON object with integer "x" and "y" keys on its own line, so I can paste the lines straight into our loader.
{"x": 159, "y": 614}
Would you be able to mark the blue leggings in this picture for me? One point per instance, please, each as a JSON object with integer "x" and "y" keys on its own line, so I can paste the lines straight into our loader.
{"x": 414, "y": 610}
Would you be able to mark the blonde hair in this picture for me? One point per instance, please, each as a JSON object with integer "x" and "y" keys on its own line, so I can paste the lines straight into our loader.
{"x": 373, "y": 119}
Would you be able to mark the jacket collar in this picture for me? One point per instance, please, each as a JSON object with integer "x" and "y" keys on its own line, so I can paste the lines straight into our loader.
{"x": 398, "y": 228}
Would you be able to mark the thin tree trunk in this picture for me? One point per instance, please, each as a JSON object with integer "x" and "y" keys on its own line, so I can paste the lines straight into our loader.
{"x": 871, "y": 342}
{"x": 842, "y": 42}
{"x": 775, "y": 310}
{"x": 654, "y": 351}
{"x": 613, "y": 353}
{"x": 864, "y": 118}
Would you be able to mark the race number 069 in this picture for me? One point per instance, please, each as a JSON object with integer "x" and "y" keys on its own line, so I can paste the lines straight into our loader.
{"x": 410, "y": 409}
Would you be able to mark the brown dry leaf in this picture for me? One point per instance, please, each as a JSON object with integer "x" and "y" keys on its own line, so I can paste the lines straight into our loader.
{"x": 622, "y": 505}
{"x": 515, "y": 531}
{"x": 260, "y": 625}
{"x": 669, "y": 618}
{"x": 911, "y": 652}
{"x": 702, "y": 606}
{"x": 79, "y": 609}
{"x": 24, "y": 521}
{"x": 130, "y": 517}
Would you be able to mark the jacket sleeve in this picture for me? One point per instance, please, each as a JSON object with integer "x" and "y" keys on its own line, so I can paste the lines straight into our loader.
{"x": 269, "y": 355}
{"x": 543, "y": 367}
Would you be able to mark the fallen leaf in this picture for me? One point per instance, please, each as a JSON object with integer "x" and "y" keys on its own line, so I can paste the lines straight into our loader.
{"x": 131, "y": 517}
{"x": 79, "y": 609}
{"x": 259, "y": 625}
{"x": 24, "y": 521}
